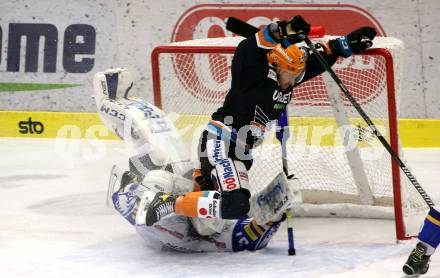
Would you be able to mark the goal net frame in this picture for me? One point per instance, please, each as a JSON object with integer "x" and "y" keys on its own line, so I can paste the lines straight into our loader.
{"x": 401, "y": 231}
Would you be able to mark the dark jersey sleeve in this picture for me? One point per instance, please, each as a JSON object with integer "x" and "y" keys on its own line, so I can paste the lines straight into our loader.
{"x": 246, "y": 65}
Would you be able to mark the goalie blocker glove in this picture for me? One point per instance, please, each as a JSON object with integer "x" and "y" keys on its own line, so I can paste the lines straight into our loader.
{"x": 355, "y": 42}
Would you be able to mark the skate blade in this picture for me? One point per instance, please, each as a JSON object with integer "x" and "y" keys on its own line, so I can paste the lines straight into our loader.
{"x": 411, "y": 276}
{"x": 114, "y": 179}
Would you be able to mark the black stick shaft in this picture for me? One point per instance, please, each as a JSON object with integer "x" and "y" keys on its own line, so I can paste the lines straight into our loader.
{"x": 370, "y": 123}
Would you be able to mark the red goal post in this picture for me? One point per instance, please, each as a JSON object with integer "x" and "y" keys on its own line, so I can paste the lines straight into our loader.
{"x": 191, "y": 79}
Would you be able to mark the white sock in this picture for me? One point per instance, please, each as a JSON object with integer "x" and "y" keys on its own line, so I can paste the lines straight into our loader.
{"x": 430, "y": 250}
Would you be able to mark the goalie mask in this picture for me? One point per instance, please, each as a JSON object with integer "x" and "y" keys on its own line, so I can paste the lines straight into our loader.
{"x": 292, "y": 58}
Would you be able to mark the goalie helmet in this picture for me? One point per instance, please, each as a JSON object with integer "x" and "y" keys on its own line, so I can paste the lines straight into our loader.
{"x": 113, "y": 84}
{"x": 292, "y": 58}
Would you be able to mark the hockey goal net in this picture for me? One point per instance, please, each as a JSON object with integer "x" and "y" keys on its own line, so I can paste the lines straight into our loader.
{"x": 343, "y": 169}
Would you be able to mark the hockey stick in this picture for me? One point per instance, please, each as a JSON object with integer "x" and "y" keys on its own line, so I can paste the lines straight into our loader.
{"x": 240, "y": 25}
{"x": 246, "y": 30}
{"x": 282, "y": 135}
{"x": 370, "y": 123}
{"x": 240, "y": 28}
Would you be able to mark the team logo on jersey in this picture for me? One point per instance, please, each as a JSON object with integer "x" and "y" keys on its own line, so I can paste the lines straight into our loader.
{"x": 281, "y": 97}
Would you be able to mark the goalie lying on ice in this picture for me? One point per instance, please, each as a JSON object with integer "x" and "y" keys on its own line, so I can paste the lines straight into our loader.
{"x": 153, "y": 195}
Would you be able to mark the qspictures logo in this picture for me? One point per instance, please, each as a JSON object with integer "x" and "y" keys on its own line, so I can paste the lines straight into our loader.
{"x": 30, "y": 126}
{"x": 207, "y": 21}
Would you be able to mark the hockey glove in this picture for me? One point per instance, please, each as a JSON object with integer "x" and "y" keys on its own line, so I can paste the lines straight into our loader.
{"x": 293, "y": 31}
{"x": 202, "y": 183}
{"x": 355, "y": 42}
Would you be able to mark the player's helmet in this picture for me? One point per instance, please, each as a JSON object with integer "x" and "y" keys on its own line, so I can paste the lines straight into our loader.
{"x": 292, "y": 58}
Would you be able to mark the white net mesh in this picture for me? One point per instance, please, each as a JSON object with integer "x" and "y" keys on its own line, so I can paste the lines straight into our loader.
{"x": 194, "y": 81}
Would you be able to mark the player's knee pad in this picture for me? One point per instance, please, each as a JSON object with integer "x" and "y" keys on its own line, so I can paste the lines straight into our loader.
{"x": 112, "y": 84}
{"x": 234, "y": 204}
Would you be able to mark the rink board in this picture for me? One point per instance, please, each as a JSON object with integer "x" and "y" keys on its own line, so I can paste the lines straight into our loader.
{"x": 31, "y": 124}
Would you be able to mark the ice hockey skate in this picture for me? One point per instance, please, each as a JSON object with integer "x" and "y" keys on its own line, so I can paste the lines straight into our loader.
{"x": 161, "y": 206}
{"x": 418, "y": 261}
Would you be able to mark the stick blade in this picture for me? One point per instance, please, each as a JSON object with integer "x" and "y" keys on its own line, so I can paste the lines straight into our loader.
{"x": 240, "y": 27}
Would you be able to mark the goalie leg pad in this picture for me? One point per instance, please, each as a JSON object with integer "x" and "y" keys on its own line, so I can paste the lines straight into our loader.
{"x": 273, "y": 201}
{"x": 112, "y": 84}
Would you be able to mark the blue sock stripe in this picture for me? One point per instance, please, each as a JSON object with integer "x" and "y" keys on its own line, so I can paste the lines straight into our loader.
{"x": 259, "y": 231}
{"x": 434, "y": 213}
{"x": 112, "y": 85}
{"x": 430, "y": 234}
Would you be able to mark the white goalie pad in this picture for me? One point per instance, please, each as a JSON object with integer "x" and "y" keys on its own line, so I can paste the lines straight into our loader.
{"x": 273, "y": 201}
{"x": 168, "y": 182}
{"x": 208, "y": 226}
{"x": 112, "y": 84}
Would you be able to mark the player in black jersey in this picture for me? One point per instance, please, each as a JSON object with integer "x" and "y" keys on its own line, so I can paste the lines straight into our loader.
{"x": 265, "y": 70}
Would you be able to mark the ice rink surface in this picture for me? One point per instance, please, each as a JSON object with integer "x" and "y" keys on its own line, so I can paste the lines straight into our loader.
{"x": 54, "y": 223}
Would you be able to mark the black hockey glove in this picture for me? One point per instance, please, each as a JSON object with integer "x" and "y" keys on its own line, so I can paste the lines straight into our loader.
{"x": 355, "y": 42}
{"x": 205, "y": 183}
{"x": 293, "y": 31}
